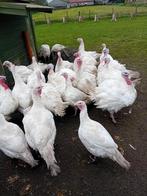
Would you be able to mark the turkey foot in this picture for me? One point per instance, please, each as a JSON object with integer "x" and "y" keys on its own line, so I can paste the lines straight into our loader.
{"x": 112, "y": 117}
{"x": 55, "y": 169}
{"x": 130, "y": 111}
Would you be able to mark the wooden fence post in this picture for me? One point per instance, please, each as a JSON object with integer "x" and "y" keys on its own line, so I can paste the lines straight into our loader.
{"x": 113, "y": 15}
{"x": 79, "y": 16}
{"x": 63, "y": 19}
{"x": 48, "y": 20}
{"x": 96, "y": 18}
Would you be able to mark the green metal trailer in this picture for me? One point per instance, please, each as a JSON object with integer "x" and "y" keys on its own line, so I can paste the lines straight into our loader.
{"x": 17, "y": 37}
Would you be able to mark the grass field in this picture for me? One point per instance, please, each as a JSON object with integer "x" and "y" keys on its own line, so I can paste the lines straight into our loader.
{"x": 90, "y": 11}
{"x": 126, "y": 38}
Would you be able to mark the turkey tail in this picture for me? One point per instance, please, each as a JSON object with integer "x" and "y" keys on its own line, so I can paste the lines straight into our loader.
{"x": 134, "y": 74}
{"x": 136, "y": 81}
{"x": 87, "y": 99}
{"x": 60, "y": 109}
{"x": 66, "y": 104}
{"x": 86, "y": 87}
{"x": 90, "y": 88}
{"x": 47, "y": 153}
{"x": 93, "y": 95}
{"x": 121, "y": 160}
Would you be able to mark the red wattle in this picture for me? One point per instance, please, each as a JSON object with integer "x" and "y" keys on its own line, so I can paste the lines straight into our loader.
{"x": 128, "y": 81}
{"x": 4, "y": 85}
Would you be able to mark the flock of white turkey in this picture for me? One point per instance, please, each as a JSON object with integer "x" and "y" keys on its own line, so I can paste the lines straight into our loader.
{"x": 92, "y": 77}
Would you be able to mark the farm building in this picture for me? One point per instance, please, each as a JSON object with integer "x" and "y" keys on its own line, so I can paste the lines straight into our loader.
{"x": 74, "y": 3}
{"x": 17, "y": 37}
{"x": 102, "y": 1}
{"x": 57, "y": 3}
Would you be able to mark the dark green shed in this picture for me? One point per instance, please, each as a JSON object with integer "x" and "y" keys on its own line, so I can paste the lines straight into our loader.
{"x": 17, "y": 37}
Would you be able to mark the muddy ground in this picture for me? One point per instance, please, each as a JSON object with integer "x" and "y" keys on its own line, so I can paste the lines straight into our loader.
{"x": 77, "y": 177}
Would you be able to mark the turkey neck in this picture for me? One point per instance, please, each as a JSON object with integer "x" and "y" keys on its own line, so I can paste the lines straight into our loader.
{"x": 84, "y": 115}
{"x": 50, "y": 75}
{"x": 104, "y": 47}
{"x": 16, "y": 77}
{"x": 68, "y": 83}
{"x": 2, "y": 119}
{"x": 36, "y": 101}
{"x": 59, "y": 63}
{"x": 81, "y": 47}
{"x": 36, "y": 66}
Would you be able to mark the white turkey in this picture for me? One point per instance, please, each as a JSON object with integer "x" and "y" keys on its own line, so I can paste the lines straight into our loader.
{"x": 62, "y": 63}
{"x": 112, "y": 69}
{"x": 72, "y": 94}
{"x": 52, "y": 100}
{"x": 57, "y": 80}
{"x": 86, "y": 81}
{"x": 23, "y": 71}
{"x": 20, "y": 91}
{"x": 57, "y": 47}
{"x": 82, "y": 51}
{"x": 113, "y": 94}
{"x": 45, "y": 52}
{"x": 8, "y": 104}
{"x": 122, "y": 67}
{"x": 106, "y": 71}
{"x": 13, "y": 142}
{"x": 96, "y": 138}
{"x": 105, "y": 53}
{"x": 32, "y": 81}
{"x": 40, "y": 131}
{"x": 84, "y": 64}
{"x": 71, "y": 74}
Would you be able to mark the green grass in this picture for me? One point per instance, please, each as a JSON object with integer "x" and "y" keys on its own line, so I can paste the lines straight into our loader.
{"x": 100, "y": 10}
{"x": 126, "y": 38}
